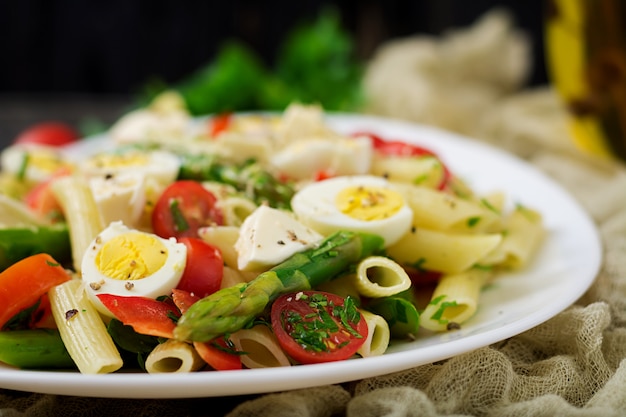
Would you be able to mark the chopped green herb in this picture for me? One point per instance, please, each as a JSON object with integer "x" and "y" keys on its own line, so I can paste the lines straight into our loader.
{"x": 490, "y": 206}
{"x": 473, "y": 221}
{"x": 442, "y": 308}
{"x": 180, "y": 223}
{"x": 21, "y": 173}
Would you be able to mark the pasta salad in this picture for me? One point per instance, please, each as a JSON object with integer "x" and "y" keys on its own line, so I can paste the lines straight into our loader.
{"x": 240, "y": 241}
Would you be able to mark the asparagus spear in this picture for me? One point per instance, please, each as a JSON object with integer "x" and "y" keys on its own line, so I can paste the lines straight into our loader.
{"x": 250, "y": 178}
{"x": 230, "y": 309}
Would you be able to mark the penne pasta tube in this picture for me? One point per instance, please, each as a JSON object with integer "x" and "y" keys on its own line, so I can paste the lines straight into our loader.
{"x": 232, "y": 277}
{"x": 523, "y": 234}
{"x": 445, "y": 252}
{"x": 81, "y": 213}
{"x": 378, "y": 335}
{"x": 260, "y": 348}
{"x": 82, "y": 330}
{"x": 173, "y": 356}
{"x": 377, "y": 276}
{"x": 435, "y": 210}
{"x": 343, "y": 286}
{"x": 236, "y": 209}
{"x": 224, "y": 238}
{"x": 454, "y": 300}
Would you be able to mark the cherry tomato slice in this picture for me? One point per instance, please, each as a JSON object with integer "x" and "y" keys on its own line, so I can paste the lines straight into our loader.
{"x": 204, "y": 269}
{"x": 48, "y": 133}
{"x": 316, "y": 326}
{"x": 219, "y": 123}
{"x": 183, "y": 208}
{"x": 400, "y": 148}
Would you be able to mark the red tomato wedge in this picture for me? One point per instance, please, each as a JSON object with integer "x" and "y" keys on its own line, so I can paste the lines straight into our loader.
{"x": 219, "y": 123}
{"x": 204, "y": 269}
{"x": 183, "y": 208}
{"x": 400, "y": 148}
{"x": 41, "y": 199}
{"x": 215, "y": 353}
{"x": 316, "y": 326}
{"x": 145, "y": 315}
{"x": 25, "y": 282}
{"x": 48, "y": 133}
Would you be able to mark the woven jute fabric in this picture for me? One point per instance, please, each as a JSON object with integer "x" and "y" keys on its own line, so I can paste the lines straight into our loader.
{"x": 468, "y": 81}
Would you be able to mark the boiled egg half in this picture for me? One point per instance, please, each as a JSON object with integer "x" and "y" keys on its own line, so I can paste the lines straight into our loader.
{"x": 128, "y": 262}
{"x": 159, "y": 165}
{"x": 361, "y": 203}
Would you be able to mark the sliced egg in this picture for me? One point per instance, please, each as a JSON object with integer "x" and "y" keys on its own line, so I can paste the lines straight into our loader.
{"x": 34, "y": 163}
{"x": 361, "y": 203}
{"x": 160, "y": 165}
{"x": 128, "y": 262}
{"x": 119, "y": 197}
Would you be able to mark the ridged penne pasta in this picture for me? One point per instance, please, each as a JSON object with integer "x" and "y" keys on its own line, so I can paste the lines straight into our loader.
{"x": 224, "y": 238}
{"x": 260, "y": 348}
{"x": 82, "y": 330}
{"x": 235, "y": 209}
{"x": 81, "y": 214}
{"x": 377, "y": 276}
{"x": 454, "y": 300}
{"x": 343, "y": 286}
{"x": 443, "y": 251}
{"x": 435, "y": 210}
{"x": 378, "y": 335}
{"x": 522, "y": 236}
{"x": 173, "y": 356}
{"x": 425, "y": 171}
{"x": 232, "y": 277}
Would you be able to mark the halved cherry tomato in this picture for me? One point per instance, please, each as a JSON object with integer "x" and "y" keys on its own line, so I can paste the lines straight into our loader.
{"x": 316, "y": 326}
{"x": 216, "y": 353}
{"x": 219, "y": 123}
{"x": 396, "y": 147}
{"x": 400, "y": 148}
{"x": 42, "y": 200}
{"x": 48, "y": 133}
{"x": 183, "y": 208}
{"x": 204, "y": 269}
{"x": 145, "y": 315}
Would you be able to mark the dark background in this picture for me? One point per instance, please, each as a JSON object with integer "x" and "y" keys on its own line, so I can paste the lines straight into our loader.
{"x": 112, "y": 46}
{"x": 68, "y": 59}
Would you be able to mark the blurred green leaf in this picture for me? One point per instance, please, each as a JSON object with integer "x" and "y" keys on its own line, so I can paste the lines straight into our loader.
{"x": 315, "y": 64}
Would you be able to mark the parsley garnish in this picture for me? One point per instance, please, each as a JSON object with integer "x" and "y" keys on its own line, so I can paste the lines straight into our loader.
{"x": 180, "y": 223}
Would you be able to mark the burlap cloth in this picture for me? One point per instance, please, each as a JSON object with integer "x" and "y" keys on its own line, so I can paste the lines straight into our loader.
{"x": 467, "y": 81}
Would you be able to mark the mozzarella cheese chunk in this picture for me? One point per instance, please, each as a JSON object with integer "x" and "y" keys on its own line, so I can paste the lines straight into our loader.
{"x": 269, "y": 236}
{"x": 119, "y": 197}
{"x": 338, "y": 156}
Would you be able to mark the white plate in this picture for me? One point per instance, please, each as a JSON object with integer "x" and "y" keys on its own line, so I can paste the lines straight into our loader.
{"x": 563, "y": 270}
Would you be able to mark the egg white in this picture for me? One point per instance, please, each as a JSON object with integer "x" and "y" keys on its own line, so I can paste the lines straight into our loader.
{"x": 315, "y": 205}
{"x": 12, "y": 160}
{"x": 159, "y": 165}
{"x": 159, "y": 283}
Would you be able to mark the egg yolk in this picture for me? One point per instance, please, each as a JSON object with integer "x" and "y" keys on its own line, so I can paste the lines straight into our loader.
{"x": 131, "y": 256}
{"x": 369, "y": 203}
{"x": 47, "y": 162}
{"x": 120, "y": 160}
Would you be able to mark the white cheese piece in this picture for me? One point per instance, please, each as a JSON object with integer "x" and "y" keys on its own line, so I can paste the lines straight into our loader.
{"x": 336, "y": 156}
{"x": 269, "y": 236}
{"x": 119, "y": 197}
